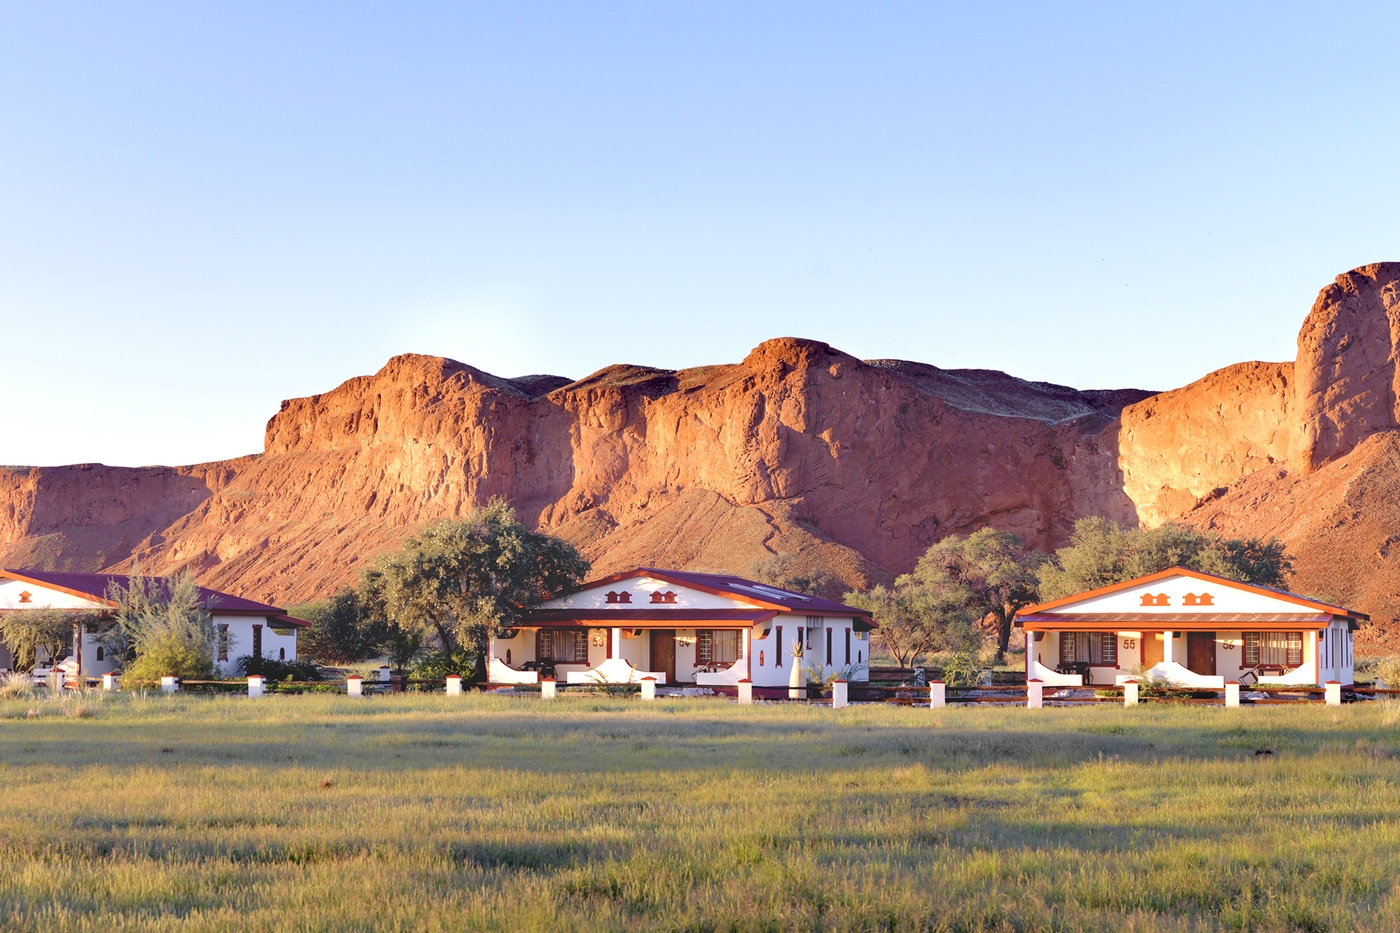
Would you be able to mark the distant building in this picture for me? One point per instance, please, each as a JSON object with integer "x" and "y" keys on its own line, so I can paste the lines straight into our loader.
{"x": 1192, "y": 629}
{"x": 701, "y": 629}
{"x": 244, "y": 627}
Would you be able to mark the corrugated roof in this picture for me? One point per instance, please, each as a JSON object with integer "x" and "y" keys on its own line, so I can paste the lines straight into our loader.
{"x": 95, "y": 586}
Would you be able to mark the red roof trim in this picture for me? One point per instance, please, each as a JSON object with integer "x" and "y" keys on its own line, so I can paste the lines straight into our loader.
{"x": 1208, "y": 577}
{"x": 696, "y": 581}
{"x": 74, "y": 585}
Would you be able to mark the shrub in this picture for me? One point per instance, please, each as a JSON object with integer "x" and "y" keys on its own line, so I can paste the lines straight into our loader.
{"x": 439, "y": 664}
{"x": 278, "y": 670}
{"x": 963, "y": 670}
{"x": 170, "y": 656}
{"x": 16, "y": 684}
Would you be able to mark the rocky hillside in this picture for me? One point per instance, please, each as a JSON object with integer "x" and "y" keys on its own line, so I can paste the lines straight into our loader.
{"x": 800, "y": 450}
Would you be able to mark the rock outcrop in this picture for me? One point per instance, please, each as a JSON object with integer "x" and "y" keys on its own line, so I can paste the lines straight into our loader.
{"x": 799, "y": 450}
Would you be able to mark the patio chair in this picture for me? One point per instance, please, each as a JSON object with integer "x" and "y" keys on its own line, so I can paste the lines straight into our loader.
{"x": 1249, "y": 678}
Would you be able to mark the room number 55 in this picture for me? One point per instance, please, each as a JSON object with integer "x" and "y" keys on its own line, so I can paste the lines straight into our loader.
{"x": 1129, "y": 644}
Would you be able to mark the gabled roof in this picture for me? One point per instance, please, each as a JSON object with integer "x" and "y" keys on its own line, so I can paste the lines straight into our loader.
{"x": 94, "y": 586}
{"x": 759, "y": 594}
{"x": 1284, "y": 595}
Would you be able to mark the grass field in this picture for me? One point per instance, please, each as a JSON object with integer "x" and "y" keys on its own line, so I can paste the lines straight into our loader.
{"x": 489, "y": 813}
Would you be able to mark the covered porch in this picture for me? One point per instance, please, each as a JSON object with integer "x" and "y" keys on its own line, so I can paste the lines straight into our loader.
{"x": 713, "y": 650}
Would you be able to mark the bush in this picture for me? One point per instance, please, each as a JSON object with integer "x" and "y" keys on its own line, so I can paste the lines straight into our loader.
{"x": 278, "y": 670}
{"x": 963, "y": 670}
{"x": 170, "y": 656}
{"x": 439, "y": 664}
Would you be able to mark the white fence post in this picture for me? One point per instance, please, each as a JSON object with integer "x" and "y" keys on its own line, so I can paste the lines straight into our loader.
{"x": 1130, "y": 693}
{"x": 255, "y": 686}
{"x": 111, "y": 682}
{"x": 838, "y": 694}
{"x": 746, "y": 691}
{"x": 169, "y": 684}
{"x": 937, "y": 694}
{"x": 385, "y": 675}
{"x": 547, "y": 689}
{"x": 454, "y": 685}
{"x": 1035, "y": 696}
{"x": 648, "y": 688}
{"x": 1232, "y": 694}
{"x": 354, "y": 686}
{"x": 1333, "y": 692}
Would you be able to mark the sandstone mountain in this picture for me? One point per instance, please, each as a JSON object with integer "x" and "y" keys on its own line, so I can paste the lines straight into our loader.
{"x": 800, "y": 450}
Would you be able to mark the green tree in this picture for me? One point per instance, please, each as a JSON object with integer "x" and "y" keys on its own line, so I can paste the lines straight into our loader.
{"x": 460, "y": 581}
{"x": 27, "y": 631}
{"x": 913, "y": 620}
{"x": 992, "y": 572}
{"x": 344, "y": 629}
{"x": 1101, "y": 553}
{"x": 161, "y": 628}
{"x": 786, "y": 573}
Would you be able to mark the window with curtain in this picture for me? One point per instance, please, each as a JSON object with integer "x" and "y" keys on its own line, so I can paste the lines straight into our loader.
{"x": 1273, "y": 649}
{"x": 717, "y": 646}
{"x": 562, "y": 646}
{"x": 1099, "y": 648}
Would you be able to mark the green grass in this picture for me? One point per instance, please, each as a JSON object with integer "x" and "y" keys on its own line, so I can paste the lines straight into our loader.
{"x": 489, "y": 813}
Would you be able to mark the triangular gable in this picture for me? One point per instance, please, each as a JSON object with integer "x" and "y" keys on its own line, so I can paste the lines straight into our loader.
{"x": 21, "y": 593}
{"x": 646, "y": 591}
{"x": 1178, "y": 591}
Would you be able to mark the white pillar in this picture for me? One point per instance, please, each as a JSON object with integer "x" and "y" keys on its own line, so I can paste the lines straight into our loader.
{"x": 1167, "y": 644}
{"x": 384, "y": 673}
{"x": 256, "y": 683}
{"x": 454, "y": 685}
{"x": 838, "y": 694}
{"x": 1035, "y": 698}
{"x": 547, "y": 689}
{"x": 169, "y": 684}
{"x": 648, "y": 688}
{"x": 746, "y": 691}
{"x": 1333, "y": 692}
{"x": 937, "y": 694}
{"x": 616, "y": 643}
{"x": 1130, "y": 693}
{"x": 354, "y": 686}
{"x": 111, "y": 682}
{"x": 1232, "y": 694}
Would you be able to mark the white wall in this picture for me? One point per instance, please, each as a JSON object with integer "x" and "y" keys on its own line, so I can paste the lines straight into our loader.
{"x": 641, "y": 589}
{"x": 1224, "y": 598}
{"x": 40, "y": 597}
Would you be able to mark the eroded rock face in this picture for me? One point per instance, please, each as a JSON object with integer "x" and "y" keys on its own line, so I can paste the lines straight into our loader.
{"x": 800, "y": 449}
{"x": 1347, "y": 370}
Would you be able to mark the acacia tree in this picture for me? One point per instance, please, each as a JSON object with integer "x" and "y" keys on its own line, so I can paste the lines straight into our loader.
{"x": 461, "y": 581}
{"x": 913, "y": 620}
{"x": 162, "y": 627}
{"x": 27, "y": 631}
{"x": 992, "y": 572}
{"x": 1101, "y": 553}
{"x": 344, "y": 628}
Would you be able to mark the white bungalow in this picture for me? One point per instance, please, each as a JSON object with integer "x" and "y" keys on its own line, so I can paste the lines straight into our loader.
{"x": 243, "y": 627}
{"x": 1192, "y": 629}
{"x": 700, "y": 629}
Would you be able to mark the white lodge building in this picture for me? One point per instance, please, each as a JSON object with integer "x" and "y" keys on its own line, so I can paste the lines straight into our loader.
{"x": 1190, "y": 628}
{"x": 704, "y": 629}
{"x": 243, "y": 627}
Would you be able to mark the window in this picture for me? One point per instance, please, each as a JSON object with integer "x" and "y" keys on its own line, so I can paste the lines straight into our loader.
{"x": 1191, "y": 599}
{"x": 1273, "y": 649}
{"x": 1097, "y": 648}
{"x": 562, "y": 646}
{"x": 221, "y": 640}
{"x": 623, "y": 597}
{"x": 829, "y": 658}
{"x": 667, "y": 597}
{"x": 778, "y": 655}
{"x": 257, "y": 641}
{"x": 719, "y": 646}
{"x": 1161, "y": 599}
{"x": 100, "y": 654}
{"x": 25, "y": 596}
{"x": 848, "y": 645}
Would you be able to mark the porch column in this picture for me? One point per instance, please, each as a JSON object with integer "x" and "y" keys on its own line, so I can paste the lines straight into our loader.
{"x": 615, "y": 644}
{"x": 1310, "y": 652}
{"x": 1167, "y": 656}
{"x": 748, "y": 661}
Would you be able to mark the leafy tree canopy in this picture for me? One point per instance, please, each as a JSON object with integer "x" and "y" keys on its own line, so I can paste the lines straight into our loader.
{"x": 462, "y": 580}
{"x": 1101, "y": 553}
{"x": 161, "y": 628}
{"x": 989, "y": 572}
{"x": 343, "y": 629}
{"x": 914, "y": 620}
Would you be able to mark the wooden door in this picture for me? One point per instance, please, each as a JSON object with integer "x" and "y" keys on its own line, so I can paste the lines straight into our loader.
{"x": 1200, "y": 652}
{"x": 663, "y": 653}
{"x": 1152, "y": 648}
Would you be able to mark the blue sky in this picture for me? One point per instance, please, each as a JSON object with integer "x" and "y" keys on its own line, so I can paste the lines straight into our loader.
{"x": 206, "y": 209}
